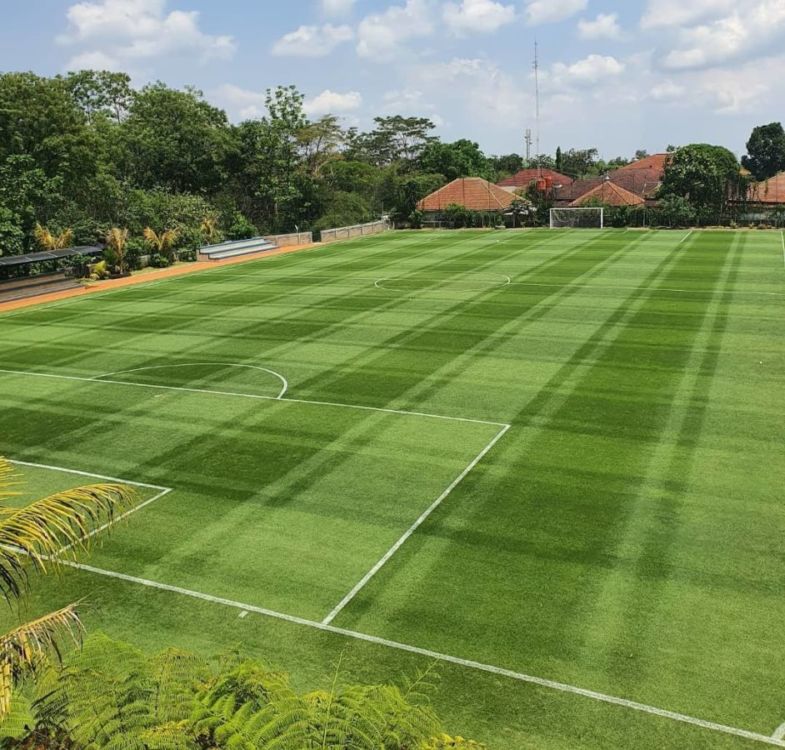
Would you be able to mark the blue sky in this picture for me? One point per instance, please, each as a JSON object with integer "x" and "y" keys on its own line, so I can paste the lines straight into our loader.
{"x": 619, "y": 75}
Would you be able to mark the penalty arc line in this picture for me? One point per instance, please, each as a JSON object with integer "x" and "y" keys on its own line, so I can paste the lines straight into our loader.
{"x": 467, "y": 663}
{"x": 779, "y": 732}
{"x": 284, "y": 381}
{"x": 416, "y": 525}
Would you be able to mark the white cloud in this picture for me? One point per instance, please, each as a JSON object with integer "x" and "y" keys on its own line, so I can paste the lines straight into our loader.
{"x": 332, "y": 102}
{"x": 484, "y": 16}
{"x": 312, "y": 41}
{"x": 586, "y": 72}
{"x": 120, "y": 32}
{"x": 552, "y": 11}
{"x": 605, "y": 26}
{"x": 675, "y": 13}
{"x": 749, "y": 29}
{"x": 243, "y": 103}
{"x": 337, "y": 7}
{"x": 667, "y": 91}
{"x": 380, "y": 35}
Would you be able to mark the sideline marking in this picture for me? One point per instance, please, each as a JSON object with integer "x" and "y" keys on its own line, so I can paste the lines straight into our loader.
{"x": 779, "y": 732}
{"x": 253, "y": 396}
{"x": 685, "y": 238}
{"x": 379, "y": 284}
{"x": 162, "y": 491}
{"x": 782, "y": 237}
{"x": 614, "y": 287}
{"x": 423, "y": 517}
{"x": 284, "y": 382}
{"x": 500, "y": 671}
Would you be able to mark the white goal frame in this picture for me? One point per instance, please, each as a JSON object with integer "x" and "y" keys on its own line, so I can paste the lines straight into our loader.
{"x": 557, "y": 224}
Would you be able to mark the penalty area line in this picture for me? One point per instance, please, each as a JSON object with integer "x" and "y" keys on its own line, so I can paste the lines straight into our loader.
{"x": 416, "y": 525}
{"x": 162, "y": 492}
{"x": 467, "y": 663}
{"x": 254, "y": 396}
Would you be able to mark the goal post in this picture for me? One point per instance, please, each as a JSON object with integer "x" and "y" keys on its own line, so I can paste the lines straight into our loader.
{"x": 578, "y": 218}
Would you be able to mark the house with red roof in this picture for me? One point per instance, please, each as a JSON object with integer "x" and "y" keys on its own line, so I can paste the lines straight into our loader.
{"x": 524, "y": 178}
{"x": 608, "y": 194}
{"x": 768, "y": 193}
{"x": 471, "y": 193}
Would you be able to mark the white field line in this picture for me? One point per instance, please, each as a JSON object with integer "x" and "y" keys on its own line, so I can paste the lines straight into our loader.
{"x": 379, "y": 284}
{"x": 416, "y": 525}
{"x": 519, "y": 676}
{"x": 284, "y": 382}
{"x": 779, "y": 732}
{"x": 162, "y": 491}
{"x": 782, "y": 237}
{"x": 614, "y": 287}
{"x": 685, "y": 238}
{"x": 254, "y": 396}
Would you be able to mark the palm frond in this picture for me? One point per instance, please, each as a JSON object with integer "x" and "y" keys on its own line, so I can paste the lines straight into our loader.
{"x": 117, "y": 239}
{"x": 8, "y": 479}
{"x": 24, "y": 648}
{"x": 42, "y": 530}
{"x": 44, "y": 237}
{"x": 64, "y": 239}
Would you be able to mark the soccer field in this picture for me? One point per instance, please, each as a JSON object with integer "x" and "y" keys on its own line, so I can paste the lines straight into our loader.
{"x": 551, "y": 462}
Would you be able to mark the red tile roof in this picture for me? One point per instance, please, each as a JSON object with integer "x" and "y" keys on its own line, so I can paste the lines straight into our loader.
{"x": 609, "y": 194}
{"x": 525, "y": 177}
{"x": 769, "y": 191}
{"x": 472, "y": 193}
{"x": 655, "y": 161}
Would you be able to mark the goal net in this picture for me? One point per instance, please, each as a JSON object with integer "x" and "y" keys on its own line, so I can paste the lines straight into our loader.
{"x": 578, "y": 218}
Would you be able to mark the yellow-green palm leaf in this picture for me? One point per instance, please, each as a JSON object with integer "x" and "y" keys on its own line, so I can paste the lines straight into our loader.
{"x": 22, "y": 649}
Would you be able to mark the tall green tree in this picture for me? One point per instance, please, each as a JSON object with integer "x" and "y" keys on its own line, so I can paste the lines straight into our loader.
{"x": 707, "y": 176}
{"x": 765, "y": 151}
{"x": 463, "y": 158}
{"x": 101, "y": 92}
{"x": 175, "y": 140}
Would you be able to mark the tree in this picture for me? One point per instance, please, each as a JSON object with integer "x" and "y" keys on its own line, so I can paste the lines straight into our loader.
{"x": 101, "y": 92}
{"x": 38, "y": 536}
{"x": 117, "y": 243}
{"x": 162, "y": 244}
{"x": 463, "y": 158}
{"x": 320, "y": 142}
{"x": 505, "y": 165}
{"x": 210, "y": 231}
{"x": 395, "y": 139}
{"x": 765, "y": 151}
{"x": 707, "y": 176}
{"x": 48, "y": 241}
{"x": 174, "y": 140}
{"x": 579, "y": 162}
{"x": 676, "y": 211}
{"x": 110, "y": 695}
{"x": 559, "y": 159}
{"x": 641, "y": 153}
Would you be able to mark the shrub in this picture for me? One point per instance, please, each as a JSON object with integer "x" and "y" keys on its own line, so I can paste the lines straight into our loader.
{"x": 241, "y": 228}
{"x": 159, "y": 261}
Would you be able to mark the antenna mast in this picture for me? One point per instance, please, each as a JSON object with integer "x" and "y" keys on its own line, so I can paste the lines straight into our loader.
{"x": 537, "y": 104}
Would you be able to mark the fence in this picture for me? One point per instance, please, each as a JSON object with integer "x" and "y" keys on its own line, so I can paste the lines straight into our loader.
{"x": 294, "y": 238}
{"x": 358, "y": 230}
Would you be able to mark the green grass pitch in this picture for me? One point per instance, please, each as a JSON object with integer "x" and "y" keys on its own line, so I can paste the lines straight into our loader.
{"x": 551, "y": 461}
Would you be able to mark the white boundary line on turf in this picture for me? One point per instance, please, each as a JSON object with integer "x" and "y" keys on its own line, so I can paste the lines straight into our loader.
{"x": 254, "y": 396}
{"x": 614, "y": 287}
{"x": 416, "y": 525}
{"x": 162, "y": 491}
{"x": 779, "y": 732}
{"x": 685, "y": 238}
{"x": 782, "y": 237}
{"x": 500, "y": 671}
{"x": 379, "y": 284}
{"x": 284, "y": 381}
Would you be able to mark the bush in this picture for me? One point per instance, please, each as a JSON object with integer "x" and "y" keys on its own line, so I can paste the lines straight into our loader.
{"x": 159, "y": 261}
{"x": 241, "y": 228}
{"x": 134, "y": 251}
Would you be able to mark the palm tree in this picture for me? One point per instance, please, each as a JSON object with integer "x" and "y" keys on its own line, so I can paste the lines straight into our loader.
{"x": 35, "y": 537}
{"x": 117, "y": 241}
{"x": 49, "y": 241}
{"x": 162, "y": 243}
{"x": 210, "y": 231}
